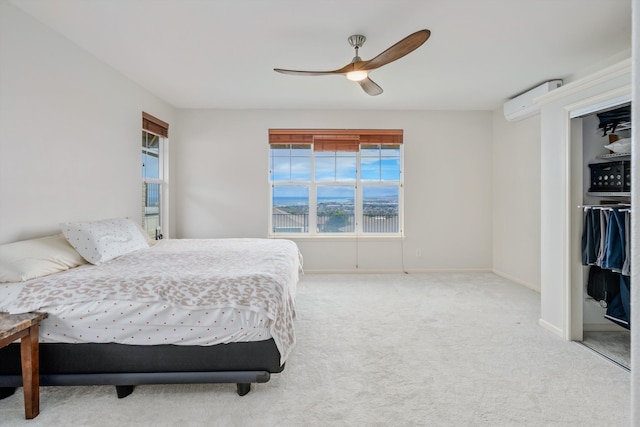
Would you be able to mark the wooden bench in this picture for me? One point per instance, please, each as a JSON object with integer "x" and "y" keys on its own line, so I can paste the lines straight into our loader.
{"x": 25, "y": 327}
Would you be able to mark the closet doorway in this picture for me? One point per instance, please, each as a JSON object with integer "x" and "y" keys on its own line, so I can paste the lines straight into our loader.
{"x": 600, "y": 135}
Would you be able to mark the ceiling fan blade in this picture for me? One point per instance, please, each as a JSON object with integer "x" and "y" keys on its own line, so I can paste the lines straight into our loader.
{"x": 370, "y": 87}
{"x": 306, "y": 73}
{"x": 398, "y": 50}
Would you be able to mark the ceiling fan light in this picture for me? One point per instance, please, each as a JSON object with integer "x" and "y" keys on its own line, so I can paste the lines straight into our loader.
{"x": 356, "y": 76}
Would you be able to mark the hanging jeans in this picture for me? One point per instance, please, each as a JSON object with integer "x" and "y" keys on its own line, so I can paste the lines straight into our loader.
{"x": 604, "y": 225}
{"x": 626, "y": 267}
{"x": 591, "y": 237}
{"x": 619, "y": 310}
{"x": 614, "y": 252}
{"x": 606, "y": 243}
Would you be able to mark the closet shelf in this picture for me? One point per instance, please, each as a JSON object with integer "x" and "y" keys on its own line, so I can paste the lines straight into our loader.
{"x": 612, "y": 155}
{"x": 609, "y": 193}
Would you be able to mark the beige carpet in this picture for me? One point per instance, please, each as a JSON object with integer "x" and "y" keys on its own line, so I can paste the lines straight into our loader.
{"x": 440, "y": 349}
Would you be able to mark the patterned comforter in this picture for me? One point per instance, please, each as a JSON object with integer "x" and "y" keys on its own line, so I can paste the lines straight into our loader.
{"x": 253, "y": 274}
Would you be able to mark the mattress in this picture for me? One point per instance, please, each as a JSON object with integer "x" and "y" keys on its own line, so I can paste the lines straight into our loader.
{"x": 184, "y": 292}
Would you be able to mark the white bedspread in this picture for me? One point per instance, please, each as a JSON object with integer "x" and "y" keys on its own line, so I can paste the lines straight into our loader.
{"x": 254, "y": 275}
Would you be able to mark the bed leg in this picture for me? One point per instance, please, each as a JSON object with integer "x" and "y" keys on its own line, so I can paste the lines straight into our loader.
{"x": 6, "y": 392}
{"x": 243, "y": 388}
{"x": 124, "y": 390}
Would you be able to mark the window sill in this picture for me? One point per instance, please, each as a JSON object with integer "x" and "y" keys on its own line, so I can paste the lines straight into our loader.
{"x": 295, "y": 236}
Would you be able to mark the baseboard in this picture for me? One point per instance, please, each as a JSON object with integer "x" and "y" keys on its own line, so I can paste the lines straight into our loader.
{"x": 518, "y": 281}
{"x": 551, "y": 328}
{"x": 398, "y": 271}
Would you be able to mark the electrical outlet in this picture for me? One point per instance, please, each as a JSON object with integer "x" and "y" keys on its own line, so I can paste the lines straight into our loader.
{"x": 418, "y": 252}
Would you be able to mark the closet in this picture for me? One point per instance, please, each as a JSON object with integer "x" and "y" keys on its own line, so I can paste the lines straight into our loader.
{"x": 605, "y": 232}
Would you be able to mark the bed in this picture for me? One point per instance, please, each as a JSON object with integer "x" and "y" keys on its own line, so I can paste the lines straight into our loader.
{"x": 124, "y": 312}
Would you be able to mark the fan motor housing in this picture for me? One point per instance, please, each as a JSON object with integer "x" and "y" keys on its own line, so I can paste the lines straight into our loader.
{"x": 357, "y": 40}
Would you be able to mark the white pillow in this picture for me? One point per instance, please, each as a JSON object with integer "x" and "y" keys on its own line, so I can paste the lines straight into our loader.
{"x": 29, "y": 259}
{"x": 620, "y": 146}
{"x": 104, "y": 240}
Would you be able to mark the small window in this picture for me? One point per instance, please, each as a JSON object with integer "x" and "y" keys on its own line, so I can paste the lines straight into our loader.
{"x": 154, "y": 191}
{"x": 380, "y": 162}
{"x": 380, "y": 209}
{"x": 336, "y": 208}
{"x": 291, "y": 162}
{"x": 290, "y": 208}
{"x": 335, "y": 166}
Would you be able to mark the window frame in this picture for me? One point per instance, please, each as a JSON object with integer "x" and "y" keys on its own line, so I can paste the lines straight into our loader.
{"x": 359, "y": 185}
{"x": 157, "y": 127}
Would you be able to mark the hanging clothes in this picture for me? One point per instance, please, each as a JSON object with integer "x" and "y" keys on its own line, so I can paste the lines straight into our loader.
{"x": 606, "y": 245}
{"x": 626, "y": 266}
{"x": 606, "y": 238}
{"x": 619, "y": 310}
{"x": 604, "y": 225}
{"x": 614, "y": 252}
{"x": 591, "y": 237}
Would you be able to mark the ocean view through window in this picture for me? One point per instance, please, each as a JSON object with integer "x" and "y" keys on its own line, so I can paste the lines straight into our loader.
{"x": 335, "y": 185}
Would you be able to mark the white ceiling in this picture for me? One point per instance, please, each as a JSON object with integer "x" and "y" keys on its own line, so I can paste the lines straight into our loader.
{"x": 221, "y": 53}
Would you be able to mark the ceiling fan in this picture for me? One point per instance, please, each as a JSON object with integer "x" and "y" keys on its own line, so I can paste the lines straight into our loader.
{"x": 358, "y": 70}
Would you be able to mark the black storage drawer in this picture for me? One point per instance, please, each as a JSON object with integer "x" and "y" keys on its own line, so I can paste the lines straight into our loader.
{"x": 611, "y": 176}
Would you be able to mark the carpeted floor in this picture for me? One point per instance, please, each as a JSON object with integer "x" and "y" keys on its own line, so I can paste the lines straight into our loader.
{"x": 441, "y": 349}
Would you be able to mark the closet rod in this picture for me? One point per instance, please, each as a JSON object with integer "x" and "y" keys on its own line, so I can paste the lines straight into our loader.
{"x": 621, "y": 207}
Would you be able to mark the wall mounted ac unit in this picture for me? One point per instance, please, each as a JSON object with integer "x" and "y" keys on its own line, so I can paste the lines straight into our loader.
{"x": 523, "y": 105}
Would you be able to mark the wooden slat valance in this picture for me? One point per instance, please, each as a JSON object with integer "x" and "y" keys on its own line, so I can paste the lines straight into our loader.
{"x": 336, "y": 139}
{"x": 336, "y": 142}
{"x": 155, "y": 125}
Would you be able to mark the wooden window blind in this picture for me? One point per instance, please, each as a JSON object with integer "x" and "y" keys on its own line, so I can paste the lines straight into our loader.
{"x": 155, "y": 125}
{"x": 336, "y": 142}
{"x": 335, "y": 139}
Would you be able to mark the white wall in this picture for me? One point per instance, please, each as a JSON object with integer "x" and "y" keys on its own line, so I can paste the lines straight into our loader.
{"x": 222, "y": 185}
{"x": 69, "y": 132}
{"x": 516, "y": 199}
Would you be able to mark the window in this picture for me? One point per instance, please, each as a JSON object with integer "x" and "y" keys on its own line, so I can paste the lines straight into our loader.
{"x": 330, "y": 182}
{"x": 154, "y": 191}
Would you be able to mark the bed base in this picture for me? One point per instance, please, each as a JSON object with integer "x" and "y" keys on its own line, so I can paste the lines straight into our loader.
{"x": 243, "y": 380}
{"x": 126, "y": 366}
